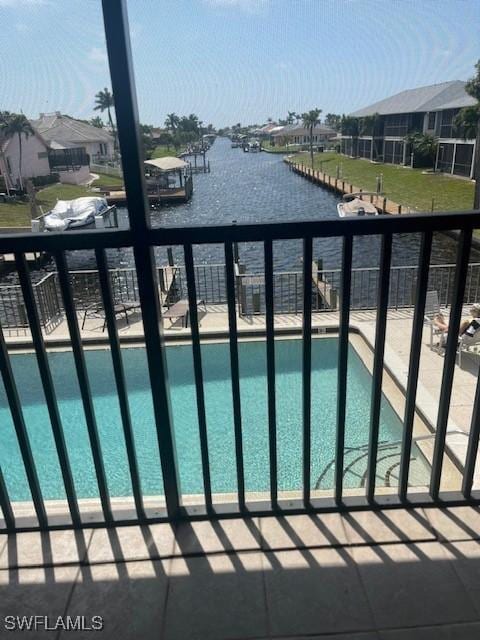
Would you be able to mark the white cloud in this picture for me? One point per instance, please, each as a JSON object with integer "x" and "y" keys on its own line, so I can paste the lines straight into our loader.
{"x": 21, "y": 27}
{"x": 96, "y": 54}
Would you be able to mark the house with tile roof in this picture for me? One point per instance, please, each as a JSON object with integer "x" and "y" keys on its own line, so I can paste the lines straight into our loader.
{"x": 431, "y": 109}
{"x": 297, "y": 134}
{"x": 60, "y": 145}
{"x": 63, "y": 132}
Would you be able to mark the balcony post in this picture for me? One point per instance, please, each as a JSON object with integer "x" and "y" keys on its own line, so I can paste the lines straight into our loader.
{"x": 123, "y": 86}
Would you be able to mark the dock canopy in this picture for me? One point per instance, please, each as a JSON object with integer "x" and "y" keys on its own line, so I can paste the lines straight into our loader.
{"x": 168, "y": 163}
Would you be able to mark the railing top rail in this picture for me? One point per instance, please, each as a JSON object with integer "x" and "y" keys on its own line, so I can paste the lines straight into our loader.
{"x": 202, "y": 234}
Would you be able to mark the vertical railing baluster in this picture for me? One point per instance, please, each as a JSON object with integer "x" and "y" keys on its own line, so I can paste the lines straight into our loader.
{"x": 48, "y": 386}
{"x": 345, "y": 290}
{"x": 472, "y": 449}
{"x": 6, "y": 505}
{"x": 117, "y": 36}
{"x": 85, "y": 390}
{"x": 376, "y": 398}
{"x": 237, "y": 412}
{"x": 120, "y": 381}
{"x": 463, "y": 255}
{"x": 198, "y": 372}
{"x": 18, "y": 419}
{"x": 414, "y": 362}
{"x": 307, "y": 368}
{"x": 272, "y": 409}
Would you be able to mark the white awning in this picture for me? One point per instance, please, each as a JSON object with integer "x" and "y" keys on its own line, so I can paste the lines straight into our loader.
{"x": 167, "y": 164}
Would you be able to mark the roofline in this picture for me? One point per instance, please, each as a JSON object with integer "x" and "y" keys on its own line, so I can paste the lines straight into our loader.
{"x": 437, "y": 84}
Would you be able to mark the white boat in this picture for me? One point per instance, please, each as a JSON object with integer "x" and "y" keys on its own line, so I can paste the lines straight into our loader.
{"x": 353, "y": 205}
{"x": 72, "y": 214}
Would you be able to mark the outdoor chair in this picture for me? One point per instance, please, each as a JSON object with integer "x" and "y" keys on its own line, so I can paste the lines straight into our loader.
{"x": 467, "y": 344}
{"x": 180, "y": 310}
{"x": 432, "y": 308}
{"x": 96, "y": 310}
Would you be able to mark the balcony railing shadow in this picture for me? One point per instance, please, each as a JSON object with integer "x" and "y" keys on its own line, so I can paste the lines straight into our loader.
{"x": 395, "y": 570}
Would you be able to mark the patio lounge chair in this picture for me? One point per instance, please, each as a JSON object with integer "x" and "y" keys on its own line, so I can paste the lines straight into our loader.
{"x": 96, "y": 310}
{"x": 180, "y": 310}
{"x": 467, "y": 343}
{"x": 432, "y": 308}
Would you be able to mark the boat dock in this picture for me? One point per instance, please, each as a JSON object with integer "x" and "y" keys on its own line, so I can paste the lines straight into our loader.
{"x": 383, "y": 205}
{"x": 164, "y": 196}
{"x": 326, "y": 294}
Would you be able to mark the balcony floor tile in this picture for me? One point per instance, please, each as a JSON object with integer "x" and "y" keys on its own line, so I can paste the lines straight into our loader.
{"x": 130, "y": 598}
{"x": 35, "y": 592}
{"x": 412, "y": 585}
{"x": 391, "y": 525}
{"x": 314, "y": 591}
{"x": 466, "y": 561}
{"x": 235, "y": 534}
{"x": 455, "y": 523}
{"x": 150, "y": 542}
{"x": 35, "y": 549}
{"x": 467, "y": 631}
{"x": 220, "y": 596}
{"x": 292, "y": 532}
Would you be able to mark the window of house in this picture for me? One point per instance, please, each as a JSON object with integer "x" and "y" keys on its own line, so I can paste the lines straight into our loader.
{"x": 42, "y": 154}
{"x": 432, "y": 117}
{"x": 397, "y": 125}
{"x": 447, "y": 128}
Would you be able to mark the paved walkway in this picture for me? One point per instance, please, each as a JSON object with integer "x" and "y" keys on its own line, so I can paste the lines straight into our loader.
{"x": 396, "y": 575}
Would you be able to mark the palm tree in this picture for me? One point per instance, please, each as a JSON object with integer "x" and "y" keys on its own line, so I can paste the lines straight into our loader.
{"x": 469, "y": 120}
{"x": 172, "y": 121}
{"x": 97, "y": 122}
{"x": 333, "y": 120}
{"x": 350, "y": 126}
{"x": 4, "y": 116}
{"x": 423, "y": 146}
{"x": 104, "y": 102}
{"x": 17, "y": 124}
{"x": 310, "y": 120}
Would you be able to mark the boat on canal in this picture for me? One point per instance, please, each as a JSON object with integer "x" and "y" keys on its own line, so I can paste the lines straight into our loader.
{"x": 353, "y": 205}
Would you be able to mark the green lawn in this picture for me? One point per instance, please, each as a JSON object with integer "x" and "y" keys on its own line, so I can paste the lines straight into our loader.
{"x": 274, "y": 149}
{"x": 17, "y": 214}
{"x": 105, "y": 180}
{"x": 162, "y": 152}
{"x": 408, "y": 187}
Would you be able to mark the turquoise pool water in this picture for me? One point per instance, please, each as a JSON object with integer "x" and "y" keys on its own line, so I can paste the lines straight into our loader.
{"x": 219, "y": 418}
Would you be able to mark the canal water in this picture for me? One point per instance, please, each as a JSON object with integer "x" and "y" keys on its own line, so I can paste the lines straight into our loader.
{"x": 259, "y": 187}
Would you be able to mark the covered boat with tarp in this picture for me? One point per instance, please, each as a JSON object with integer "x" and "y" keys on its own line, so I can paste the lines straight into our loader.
{"x": 72, "y": 214}
{"x": 353, "y": 204}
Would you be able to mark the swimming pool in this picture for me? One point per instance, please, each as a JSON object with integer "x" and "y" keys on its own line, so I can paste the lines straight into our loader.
{"x": 218, "y": 398}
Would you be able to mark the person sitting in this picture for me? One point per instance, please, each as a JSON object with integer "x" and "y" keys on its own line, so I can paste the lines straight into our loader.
{"x": 469, "y": 326}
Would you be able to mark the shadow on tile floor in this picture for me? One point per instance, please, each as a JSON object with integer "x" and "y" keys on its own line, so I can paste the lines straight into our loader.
{"x": 392, "y": 574}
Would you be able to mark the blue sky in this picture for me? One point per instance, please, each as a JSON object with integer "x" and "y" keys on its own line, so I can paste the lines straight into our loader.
{"x": 235, "y": 60}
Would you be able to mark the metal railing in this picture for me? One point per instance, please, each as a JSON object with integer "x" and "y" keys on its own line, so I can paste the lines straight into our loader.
{"x": 267, "y": 234}
{"x": 143, "y": 239}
